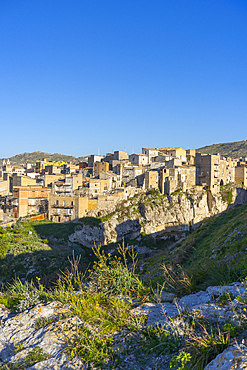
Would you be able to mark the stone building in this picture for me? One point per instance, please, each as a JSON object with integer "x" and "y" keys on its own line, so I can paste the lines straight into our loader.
{"x": 119, "y": 155}
{"x": 94, "y": 158}
{"x": 151, "y": 180}
{"x": 138, "y": 159}
{"x": 64, "y": 208}
{"x": 241, "y": 174}
{"x": 212, "y": 171}
{"x": 100, "y": 167}
{"x": 30, "y": 200}
{"x": 151, "y": 153}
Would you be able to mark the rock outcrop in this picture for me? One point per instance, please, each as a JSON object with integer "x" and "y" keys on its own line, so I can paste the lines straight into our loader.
{"x": 21, "y": 330}
{"x": 152, "y": 213}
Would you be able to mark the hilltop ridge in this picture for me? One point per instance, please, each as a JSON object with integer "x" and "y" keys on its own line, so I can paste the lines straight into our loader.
{"x": 233, "y": 150}
{"x": 23, "y": 158}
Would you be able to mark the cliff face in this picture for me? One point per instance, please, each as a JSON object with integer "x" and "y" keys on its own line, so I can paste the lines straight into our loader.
{"x": 152, "y": 212}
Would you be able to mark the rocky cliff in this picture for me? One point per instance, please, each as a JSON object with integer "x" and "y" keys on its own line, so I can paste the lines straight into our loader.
{"x": 153, "y": 212}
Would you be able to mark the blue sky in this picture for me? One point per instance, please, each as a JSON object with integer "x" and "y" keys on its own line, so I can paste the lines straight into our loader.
{"x": 86, "y": 75}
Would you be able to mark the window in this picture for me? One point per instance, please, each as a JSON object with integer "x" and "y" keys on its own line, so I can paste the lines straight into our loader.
{"x": 72, "y": 203}
{"x": 64, "y": 203}
{"x": 57, "y": 202}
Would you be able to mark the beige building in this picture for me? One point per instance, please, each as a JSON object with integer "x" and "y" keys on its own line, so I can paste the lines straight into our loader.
{"x": 151, "y": 180}
{"x": 151, "y": 153}
{"x": 241, "y": 174}
{"x": 30, "y": 200}
{"x": 119, "y": 155}
{"x": 114, "y": 180}
{"x": 4, "y": 188}
{"x": 21, "y": 180}
{"x": 47, "y": 180}
{"x": 67, "y": 208}
{"x": 97, "y": 187}
{"x": 100, "y": 167}
{"x": 181, "y": 177}
{"x": 212, "y": 171}
{"x": 94, "y": 158}
{"x": 138, "y": 159}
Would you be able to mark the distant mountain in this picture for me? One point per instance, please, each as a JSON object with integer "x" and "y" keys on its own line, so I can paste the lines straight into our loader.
{"x": 233, "y": 150}
{"x": 23, "y": 158}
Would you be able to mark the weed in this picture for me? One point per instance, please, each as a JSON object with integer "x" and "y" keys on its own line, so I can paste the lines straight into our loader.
{"x": 34, "y": 356}
{"x": 112, "y": 276}
{"x": 19, "y": 347}
{"x": 90, "y": 346}
{"x": 41, "y": 322}
{"x": 159, "y": 339}
{"x": 180, "y": 360}
{"x": 226, "y": 298}
{"x": 177, "y": 280}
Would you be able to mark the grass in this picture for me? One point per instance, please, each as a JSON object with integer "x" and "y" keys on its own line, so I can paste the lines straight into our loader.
{"x": 43, "y": 322}
{"x": 214, "y": 254}
{"x": 26, "y": 252}
{"x": 106, "y": 309}
{"x": 103, "y": 294}
{"x": 34, "y": 356}
{"x": 91, "y": 221}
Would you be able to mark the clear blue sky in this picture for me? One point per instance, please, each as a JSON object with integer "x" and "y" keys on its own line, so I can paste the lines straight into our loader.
{"x": 80, "y": 75}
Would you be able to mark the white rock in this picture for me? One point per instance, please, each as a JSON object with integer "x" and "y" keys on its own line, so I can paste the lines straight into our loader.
{"x": 232, "y": 358}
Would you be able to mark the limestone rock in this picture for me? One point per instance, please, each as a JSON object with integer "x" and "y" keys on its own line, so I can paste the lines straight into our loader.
{"x": 233, "y": 357}
{"x": 172, "y": 213}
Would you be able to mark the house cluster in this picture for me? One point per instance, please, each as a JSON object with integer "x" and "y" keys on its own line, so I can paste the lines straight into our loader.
{"x": 63, "y": 191}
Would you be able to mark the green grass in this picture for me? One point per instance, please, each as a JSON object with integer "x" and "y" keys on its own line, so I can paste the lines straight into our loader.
{"x": 214, "y": 254}
{"x": 91, "y": 221}
{"x": 34, "y": 356}
{"x": 26, "y": 255}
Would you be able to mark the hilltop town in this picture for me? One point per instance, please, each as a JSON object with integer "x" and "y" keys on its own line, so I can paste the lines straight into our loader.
{"x": 62, "y": 191}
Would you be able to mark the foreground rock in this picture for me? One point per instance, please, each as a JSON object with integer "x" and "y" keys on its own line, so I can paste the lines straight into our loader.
{"x": 49, "y": 326}
{"x": 21, "y": 331}
{"x": 234, "y": 357}
{"x": 206, "y": 304}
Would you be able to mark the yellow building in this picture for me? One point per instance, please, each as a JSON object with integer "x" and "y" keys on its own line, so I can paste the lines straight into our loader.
{"x": 40, "y": 165}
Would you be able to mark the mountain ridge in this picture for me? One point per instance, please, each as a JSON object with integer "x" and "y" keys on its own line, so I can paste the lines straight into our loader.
{"x": 32, "y": 157}
{"x": 233, "y": 149}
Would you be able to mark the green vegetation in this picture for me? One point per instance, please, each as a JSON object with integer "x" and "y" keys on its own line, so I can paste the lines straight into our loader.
{"x": 43, "y": 321}
{"x": 102, "y": 299}
{"x": 214, "y": 254}
{"x": 34, "y": 356}
{"x": 101, "y": 290}
{"x": 233, "y": 150}
{"x": 38, "y": 248}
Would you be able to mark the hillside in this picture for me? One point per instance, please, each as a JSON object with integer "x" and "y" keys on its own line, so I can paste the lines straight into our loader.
{"x": 23, "y": 158}
{"x": 214, "y": 254}
{"x": 110, "y": 309}
{"x": 233, "y": 150}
